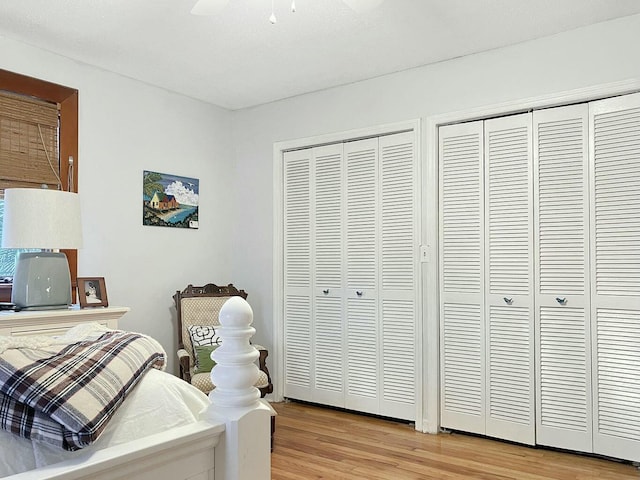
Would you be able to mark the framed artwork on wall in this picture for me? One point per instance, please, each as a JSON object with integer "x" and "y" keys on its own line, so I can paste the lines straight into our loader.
{"x": 92, "y": 292}
{"x": 169, "y": 200}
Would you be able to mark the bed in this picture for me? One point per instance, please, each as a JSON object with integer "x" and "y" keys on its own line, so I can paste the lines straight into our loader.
{"x": 223, "y": 437}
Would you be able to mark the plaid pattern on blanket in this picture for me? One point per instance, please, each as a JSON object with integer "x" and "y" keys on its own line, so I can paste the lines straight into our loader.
{"x": 66, "y": 395}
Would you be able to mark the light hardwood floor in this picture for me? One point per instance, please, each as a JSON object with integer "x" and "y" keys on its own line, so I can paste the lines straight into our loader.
{"x": 319, "y": 443}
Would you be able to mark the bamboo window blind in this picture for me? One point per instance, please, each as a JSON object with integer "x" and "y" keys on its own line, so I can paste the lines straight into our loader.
{"x": 29, "y": 147}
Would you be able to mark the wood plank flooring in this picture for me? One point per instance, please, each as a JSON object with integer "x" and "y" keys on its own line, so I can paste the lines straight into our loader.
{"x": 320, "y": 443}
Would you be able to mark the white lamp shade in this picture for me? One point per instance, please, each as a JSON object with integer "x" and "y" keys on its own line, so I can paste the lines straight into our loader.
{"x": 41, "y": 218}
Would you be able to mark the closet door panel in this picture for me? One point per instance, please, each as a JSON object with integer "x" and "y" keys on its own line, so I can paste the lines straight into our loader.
{"x": 298, "y": 312}
{"x": 562, "y": 193}
{"x": 510, "y": 400}
{"x": 617, "y": 380}
{"x": 397, "y": 306}
{"x": 564, "y": 389}
{"x": 462, "y": 277}
{"x": 297, "y": 351}
{"x": 397, "y": 214}
{"x": 328, "y": 304}
{"x": 462, "y": 382}
{"x": 328, "y": 214}
{"x": 510, "y": 389}
{"x": 362, "y": 356}
{"x": 361, "y": 215}
{"x": 615, "y": 268}
{"x": 329, "y": 351}
{"x": 563, "y": 345}
{"x": 398, "y": 347}
{"x": 363, "y": 327}
{"x": 461, "y": 213}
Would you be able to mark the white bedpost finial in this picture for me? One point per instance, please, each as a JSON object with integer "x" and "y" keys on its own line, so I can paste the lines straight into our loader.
{"x": 235, "y": 372}
{"x": 236, "y": 400}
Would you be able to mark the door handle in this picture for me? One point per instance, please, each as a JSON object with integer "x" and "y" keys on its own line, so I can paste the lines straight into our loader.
{"x": 359, "y": 293}
{"x": 508, "y": 300}
{"x": 561, "y": 300}
{"x": 325, "y": 291}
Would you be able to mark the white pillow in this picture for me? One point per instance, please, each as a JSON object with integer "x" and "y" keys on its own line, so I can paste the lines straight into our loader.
{"x": 203, "y": 335}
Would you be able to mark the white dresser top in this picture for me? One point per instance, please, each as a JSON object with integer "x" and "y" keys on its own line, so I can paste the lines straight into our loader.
{"x": 43, "y": 321}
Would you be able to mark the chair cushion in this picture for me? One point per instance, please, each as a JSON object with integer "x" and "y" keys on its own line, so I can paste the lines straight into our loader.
{"x": 202, "y": 381}
{"x": 204, "y": 362}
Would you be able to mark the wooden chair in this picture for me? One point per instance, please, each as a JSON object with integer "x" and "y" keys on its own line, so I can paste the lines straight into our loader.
{"x": 200, "y": 307}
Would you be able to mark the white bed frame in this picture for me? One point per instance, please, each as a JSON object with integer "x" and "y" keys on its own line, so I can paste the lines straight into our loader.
{"x": 230, "y": 442}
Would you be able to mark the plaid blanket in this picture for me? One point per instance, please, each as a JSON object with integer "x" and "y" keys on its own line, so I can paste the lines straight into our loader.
{"x": 65, "y": 395}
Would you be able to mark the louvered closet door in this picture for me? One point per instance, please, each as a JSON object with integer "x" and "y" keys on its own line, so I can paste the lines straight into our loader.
{"x": 462, "y": 277}
{"x": 363, "y": 358}
{"x": 615, "y": 268}
{"x": 563, "y": 344}
{"x": 509, "y": 318}
{"x": 398, "y": 276}
{"x": 298, "y": 314}
{"x": 328, "y": 290}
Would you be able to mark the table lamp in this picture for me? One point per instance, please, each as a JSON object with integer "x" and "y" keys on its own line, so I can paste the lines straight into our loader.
{"x": 49, "y": 220}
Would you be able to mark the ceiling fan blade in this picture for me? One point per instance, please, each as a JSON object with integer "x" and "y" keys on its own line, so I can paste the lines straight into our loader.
{"x": 361, "y": 6}
{"x": 208, "y": 7}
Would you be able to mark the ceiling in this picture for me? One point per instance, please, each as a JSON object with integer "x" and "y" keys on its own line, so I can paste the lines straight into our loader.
{"x": 238, "y": 59}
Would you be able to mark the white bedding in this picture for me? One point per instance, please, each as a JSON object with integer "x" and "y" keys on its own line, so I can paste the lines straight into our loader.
{"x": 159, "y": 402}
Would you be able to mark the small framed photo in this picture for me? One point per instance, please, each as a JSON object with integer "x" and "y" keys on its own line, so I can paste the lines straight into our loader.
{"x": 92, "y": 292}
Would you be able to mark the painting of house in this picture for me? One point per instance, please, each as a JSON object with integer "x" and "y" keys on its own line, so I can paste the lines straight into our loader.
{"x": 169, "y": 200}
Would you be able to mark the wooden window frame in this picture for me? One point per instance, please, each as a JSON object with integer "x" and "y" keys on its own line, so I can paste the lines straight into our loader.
{"x": 67, "y": 98}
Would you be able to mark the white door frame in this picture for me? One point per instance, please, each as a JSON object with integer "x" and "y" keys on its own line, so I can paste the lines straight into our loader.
{"x": 278, "y": 244}
{"x": 430, "y": 199}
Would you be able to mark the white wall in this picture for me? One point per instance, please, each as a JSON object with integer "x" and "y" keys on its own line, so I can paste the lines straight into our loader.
{"x": 126, "y": 127}
{"x": 585, "y": 57}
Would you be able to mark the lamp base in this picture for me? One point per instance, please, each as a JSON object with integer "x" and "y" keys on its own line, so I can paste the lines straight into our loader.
{"x": 42, "y": 307}
{"x": 41, "y": 281}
